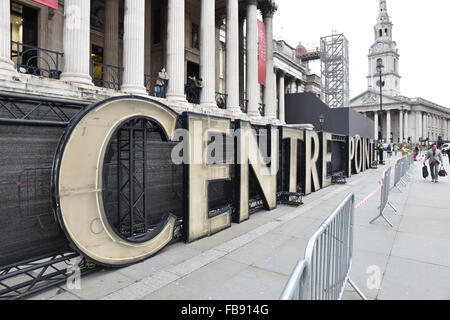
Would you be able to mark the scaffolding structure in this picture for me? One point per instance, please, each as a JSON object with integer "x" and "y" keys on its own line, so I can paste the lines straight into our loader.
{"x": 335, "y": 71}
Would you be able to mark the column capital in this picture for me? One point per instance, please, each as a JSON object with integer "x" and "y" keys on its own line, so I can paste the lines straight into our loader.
{"x": 267, "y": 8}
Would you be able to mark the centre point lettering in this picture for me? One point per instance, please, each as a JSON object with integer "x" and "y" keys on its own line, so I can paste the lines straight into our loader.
{"x": 244, "y": 160}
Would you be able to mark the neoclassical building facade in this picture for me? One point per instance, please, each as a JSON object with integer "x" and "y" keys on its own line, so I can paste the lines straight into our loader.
{"x": 91, "y": 50}
{"x": 410, "y": 120}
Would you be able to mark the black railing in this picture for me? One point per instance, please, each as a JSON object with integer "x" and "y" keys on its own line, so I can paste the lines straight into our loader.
{"x": 243, "y": 103}
{"x": 106, "y": 76}
{"x": 36, "y": 61}
{"x": 262, "y": 109}
{"x": 221, "y": 100}
{"x": 153, "y": 85}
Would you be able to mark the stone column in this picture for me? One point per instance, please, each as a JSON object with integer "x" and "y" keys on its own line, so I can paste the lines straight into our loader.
{"x": 111, "y": 40}
{"x": 175, "y": 49}
{"x": 388, "y": 126}
{"x": 419, "y": 130}
{"x": 76, "y": 38}
{"x": 134, "y": 47}
{"x": 425, "y": 125}
{"x": 281, "y": 98}
{"x": 376, "y": 125}
{"x": 406, "y": 126}
{"x": 232, "y": 59}
{"x": 400, "y": 126}
{"x": 111, "y": 46}
{"x": 148, "y": 37}
{"x": 268, "y": 9}
{"x": 207, "y": 54}
{"x": 252, "y": 60}
{"x": 6, "y": 63}
{"x": 241, "y": 58}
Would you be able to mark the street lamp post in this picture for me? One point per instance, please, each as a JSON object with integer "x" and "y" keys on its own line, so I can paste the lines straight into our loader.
{"x": 381, "y": 85}
{"x": 322, "y": 121}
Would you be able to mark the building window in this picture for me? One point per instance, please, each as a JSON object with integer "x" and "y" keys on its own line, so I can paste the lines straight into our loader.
{"x": 381, "y": 33}
{"x": 386, "y": 32}
{"x": 195, "y": 36}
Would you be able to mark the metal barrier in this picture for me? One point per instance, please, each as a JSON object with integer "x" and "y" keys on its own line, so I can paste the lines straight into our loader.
{"x": 323, "y": 273}
{"x": 397, "y": 175}
{"x": 385, "y": 190}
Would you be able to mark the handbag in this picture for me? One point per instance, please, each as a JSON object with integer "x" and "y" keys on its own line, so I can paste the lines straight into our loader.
{"x": 442, "y": 173}
{"x": 425, "y": 172}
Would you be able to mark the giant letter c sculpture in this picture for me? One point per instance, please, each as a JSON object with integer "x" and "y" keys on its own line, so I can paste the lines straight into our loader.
{"x": 78, "y": 181}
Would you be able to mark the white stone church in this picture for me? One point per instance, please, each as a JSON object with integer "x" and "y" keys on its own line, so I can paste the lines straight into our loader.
{"x": 404, "y": 119}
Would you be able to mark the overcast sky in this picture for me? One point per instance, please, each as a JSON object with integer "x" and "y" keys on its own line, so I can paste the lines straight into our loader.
{"x": 421, "y": 30}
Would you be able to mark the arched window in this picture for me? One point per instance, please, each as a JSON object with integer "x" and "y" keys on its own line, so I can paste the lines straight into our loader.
{"x": 386, "y": 32}
{"x": 381, "y": 32}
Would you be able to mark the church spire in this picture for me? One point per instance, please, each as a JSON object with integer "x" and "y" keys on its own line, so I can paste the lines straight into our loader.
{"x": 383, "y": 14}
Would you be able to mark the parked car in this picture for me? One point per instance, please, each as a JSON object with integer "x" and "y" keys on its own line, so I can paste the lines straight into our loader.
{"x": 445, "y": 147}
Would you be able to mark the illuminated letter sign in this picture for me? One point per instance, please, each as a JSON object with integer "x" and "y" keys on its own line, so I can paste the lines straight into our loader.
{"x": 294, "y": 136}
{"x": 312, "y": 156}
{"x": 351, "y": 155}
{"x": 248, "y": 154}
{"x": 198, "y": 223}
{"x": 358, "y": 154}
{"x": 78, "y": 182}
{"x": 326, "y": 159}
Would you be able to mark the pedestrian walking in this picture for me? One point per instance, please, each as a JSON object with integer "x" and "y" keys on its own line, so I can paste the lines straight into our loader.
{"x": 396, "y": 148}
{"x": 434, "y": 155}
{"x": 416, "y": 152}
{"x": 389, "y": 150}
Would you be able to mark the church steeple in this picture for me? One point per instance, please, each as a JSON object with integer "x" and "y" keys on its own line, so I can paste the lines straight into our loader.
{"x": 383, "y": 15}
{"x": 385, "y": 50}
{"x": 383, "y": 28}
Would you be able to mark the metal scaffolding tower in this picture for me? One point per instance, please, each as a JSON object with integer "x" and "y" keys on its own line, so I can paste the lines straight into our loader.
{"x": 335, "y": 71}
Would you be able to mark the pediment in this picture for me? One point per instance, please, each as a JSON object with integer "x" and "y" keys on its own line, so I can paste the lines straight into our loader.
{"x": 371, "y": 98}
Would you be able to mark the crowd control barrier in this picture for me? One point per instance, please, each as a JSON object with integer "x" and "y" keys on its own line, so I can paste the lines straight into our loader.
{"x": 323, "y": 273}
{"x": 401, "y": 169}
{"x": 385, "y": 191}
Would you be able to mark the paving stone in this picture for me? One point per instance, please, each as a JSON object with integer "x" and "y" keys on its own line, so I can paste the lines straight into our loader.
{"x": 412, "y": 280}
{"x": 97, "y": 285}
{"x": 199, "y": 284}
{"x": 170, "y": 256}
{"x": 421, "y": 248}
{"x": 284, "y": 260}
{"x": 253, "y": 284}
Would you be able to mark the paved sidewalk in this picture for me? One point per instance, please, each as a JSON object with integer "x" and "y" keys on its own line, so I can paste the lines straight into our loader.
{"x": 253, "y": 260}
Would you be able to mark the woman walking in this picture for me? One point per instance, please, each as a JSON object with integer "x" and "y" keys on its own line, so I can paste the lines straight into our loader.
{"x": 434, "y": 155}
